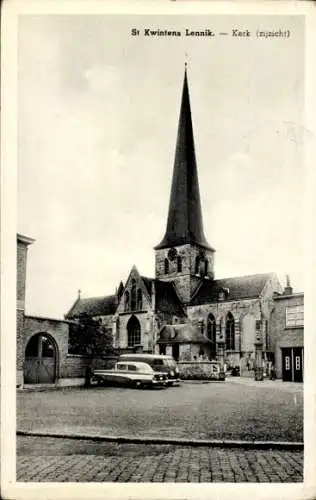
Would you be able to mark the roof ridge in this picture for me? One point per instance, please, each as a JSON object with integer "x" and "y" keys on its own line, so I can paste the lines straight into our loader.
{"x": 244, "y": 276}
{"x": 99, "y": 297}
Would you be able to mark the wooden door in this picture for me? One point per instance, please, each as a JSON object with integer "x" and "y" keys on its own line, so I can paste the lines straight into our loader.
{"x": 40, "y": 360}
{"x": 287, "y": 374}
{"x": 298, "y": 364}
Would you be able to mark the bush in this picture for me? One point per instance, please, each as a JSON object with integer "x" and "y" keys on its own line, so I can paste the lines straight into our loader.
{"x": 195, "y": 371}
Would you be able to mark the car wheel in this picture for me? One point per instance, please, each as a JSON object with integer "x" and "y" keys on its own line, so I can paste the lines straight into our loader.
{"x": 138, "y": 384}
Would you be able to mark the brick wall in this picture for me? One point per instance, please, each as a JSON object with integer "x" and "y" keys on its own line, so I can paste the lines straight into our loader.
{"x": 21, "y": 271}
{"x": 19, "y": 346}
{"x": 57, "y": 329}
{"x": 20, "y": 298}
{"x": 69, "y": 366}
{"x": 283, "y": 336}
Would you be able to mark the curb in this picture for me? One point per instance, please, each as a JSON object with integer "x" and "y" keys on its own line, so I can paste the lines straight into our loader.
{"x": 49, "y": 389}
{"x": 276, "y": 445}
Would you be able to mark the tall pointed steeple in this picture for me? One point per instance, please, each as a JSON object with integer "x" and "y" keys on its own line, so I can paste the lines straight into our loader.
{"x": 185, "y": 224}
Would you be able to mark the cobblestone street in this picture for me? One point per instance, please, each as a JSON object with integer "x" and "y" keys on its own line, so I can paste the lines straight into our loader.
{"x": 61, "y": 460}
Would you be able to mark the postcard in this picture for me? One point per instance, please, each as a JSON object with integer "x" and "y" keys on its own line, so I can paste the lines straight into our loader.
{"x": 157, "y": 242}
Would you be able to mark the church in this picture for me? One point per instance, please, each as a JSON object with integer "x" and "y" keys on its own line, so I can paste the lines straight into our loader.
{"x": 184, "y": 310}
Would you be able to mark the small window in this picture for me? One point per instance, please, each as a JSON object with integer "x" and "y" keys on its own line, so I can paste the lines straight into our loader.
{"x": 121, "y": 367}
{"x": 133, "y": 295}
{"x": 139, "y": 299}
{"x": 179, "y": 264}
{"x": 166, "y": 266}
{"x": 132, "y": 368}
{"x": 287, "y": 362}
{"x": 158, "y": 362}
{"x": 297, "y": 363}
{"x": 221, "y": 295}
{"x": 206, "y": 267}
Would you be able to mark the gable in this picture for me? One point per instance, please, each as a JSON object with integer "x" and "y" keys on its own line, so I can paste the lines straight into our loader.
{"x": 135, "y": 287}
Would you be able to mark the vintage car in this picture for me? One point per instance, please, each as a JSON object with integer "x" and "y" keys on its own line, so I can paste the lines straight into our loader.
{"x": 159, "y": 363}
{"x": 131, "y": 373}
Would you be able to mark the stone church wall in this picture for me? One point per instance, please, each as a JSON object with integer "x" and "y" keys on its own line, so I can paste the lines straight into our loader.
{"x": 161, "y": 255}
{"x": 246, "y": 313}
{"x": 185, "y": 281}
{"x": 139, "y": 285}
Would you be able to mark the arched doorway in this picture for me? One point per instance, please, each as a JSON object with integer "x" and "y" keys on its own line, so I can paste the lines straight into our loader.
{"x": 40, "y": 360}
{"x": 133, "y": 332}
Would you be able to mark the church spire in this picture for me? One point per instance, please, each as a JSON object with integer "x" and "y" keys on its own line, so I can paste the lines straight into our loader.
{"x": 184, "y": 223}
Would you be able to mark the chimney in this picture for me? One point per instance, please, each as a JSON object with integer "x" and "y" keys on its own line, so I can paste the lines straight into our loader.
{"x": 288, "y": 290}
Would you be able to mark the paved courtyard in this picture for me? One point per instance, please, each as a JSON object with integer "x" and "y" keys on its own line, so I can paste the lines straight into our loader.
{"x": 63, "y": 460}
{"x": 234, "y": 410}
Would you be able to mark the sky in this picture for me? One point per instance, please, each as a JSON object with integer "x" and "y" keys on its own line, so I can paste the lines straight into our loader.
{"x": 97, "y": 123}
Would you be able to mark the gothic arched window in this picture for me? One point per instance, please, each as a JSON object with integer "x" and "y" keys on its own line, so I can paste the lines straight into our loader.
{"x": 211, "y": 334}
{"x": 179, "y": 264}
{"x": 133, "y": 332}
{"x": 139, "y": 299}
{"x": 133, "y": 295}
{"x": 230, "y": 332}
{"x": 126, "y": 301}
{"x": 166, "y": 265}
{"x": 211, "y": 328}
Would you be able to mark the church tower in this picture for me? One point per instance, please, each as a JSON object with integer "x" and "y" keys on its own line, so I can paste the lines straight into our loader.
{"x": 184, "y": 256}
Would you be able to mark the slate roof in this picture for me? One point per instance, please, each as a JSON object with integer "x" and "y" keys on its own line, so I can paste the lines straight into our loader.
{"x": 147, "y": 283}
{"x": 182, "y": 334}
{"x": 94, "y": 306}
{"x": 241, "y": 287}
{"x": 184, "y": 224}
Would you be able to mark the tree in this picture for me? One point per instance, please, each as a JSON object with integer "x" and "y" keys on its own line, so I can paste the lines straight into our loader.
{"x": 90, "y": 338}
